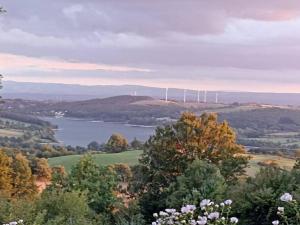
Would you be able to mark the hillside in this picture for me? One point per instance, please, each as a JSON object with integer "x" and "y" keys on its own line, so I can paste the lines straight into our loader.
{"x": 114, "y": 109}
{"x": 74, "y": 92}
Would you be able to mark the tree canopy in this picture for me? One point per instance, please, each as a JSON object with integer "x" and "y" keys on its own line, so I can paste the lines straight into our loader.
{"x": 117, "y": 143}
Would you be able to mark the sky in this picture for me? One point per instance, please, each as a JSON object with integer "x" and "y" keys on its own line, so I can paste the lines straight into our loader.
{"x": 233, "y": 45}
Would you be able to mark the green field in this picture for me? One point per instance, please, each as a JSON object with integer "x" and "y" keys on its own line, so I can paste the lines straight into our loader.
{"x": 104, "y": 159}
{"x": 10, "y": 133}
{"x": 285, "y": 163}
{"x": 131, "y": 158}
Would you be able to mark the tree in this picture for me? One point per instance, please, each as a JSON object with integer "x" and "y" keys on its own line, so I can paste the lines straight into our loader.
{"x": 22, "y": 179}
{"x": 98, "y": 182}
{"x": 94, "y": 146}
{"x": 257, "y": 200}
{"x": 201, "y": 180}
{"x": 6, "y": 173}
{"x": 43, "y": 171}
{"x": 297, "y": 164}
{"x": 172, "y": 148}
{"x": 136, "y": 144}
{"x": 65, "y": 208}
{"x": 123, "y": 172}
{"x": 116, "y": 143}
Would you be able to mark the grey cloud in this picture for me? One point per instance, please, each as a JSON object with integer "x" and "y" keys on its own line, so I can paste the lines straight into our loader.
{"x": 172, "y": 37}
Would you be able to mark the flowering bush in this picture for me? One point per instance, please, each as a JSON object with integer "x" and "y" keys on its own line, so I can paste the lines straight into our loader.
{"x": 20, "y": 222}
{"x": 290, "y": 214}
{"x": 208, "y": 213}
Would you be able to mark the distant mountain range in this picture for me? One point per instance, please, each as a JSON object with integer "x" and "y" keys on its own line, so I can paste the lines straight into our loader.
{"x": 71, "y": 92}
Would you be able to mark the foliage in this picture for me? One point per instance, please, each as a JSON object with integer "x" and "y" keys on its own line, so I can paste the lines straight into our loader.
{"x": 258, "y": 198}
{"x": 123, "y": 172}
{"x": 42, "y": 169}
{"x": 6, "y": 173}
{"x": 200, "y": 180}
{"x": 94, "y": 146}
{"x": 129, "y": 215}
{"x": 290, "y": 213}
{"x": 116, "y": 143}
{"x": 64, "y": 208}
{"x": 16, "y": 180}
{"x": 136, "y": 144}
{"x": 23, "y": 181}
{"x": 99, "y": 183}
{"x": 297, "y": 164}
{"x": 168, "y": 153}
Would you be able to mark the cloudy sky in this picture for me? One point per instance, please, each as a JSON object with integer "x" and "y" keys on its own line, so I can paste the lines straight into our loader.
{"x": 197, "y": 44}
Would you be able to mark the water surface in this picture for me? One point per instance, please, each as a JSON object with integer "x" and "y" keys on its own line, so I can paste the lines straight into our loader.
{"x": 81, "y": 132}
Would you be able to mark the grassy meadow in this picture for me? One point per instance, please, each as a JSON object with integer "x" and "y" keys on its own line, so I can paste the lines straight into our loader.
{"x": 103, "y": 159}
{"x": 131, "y": 158}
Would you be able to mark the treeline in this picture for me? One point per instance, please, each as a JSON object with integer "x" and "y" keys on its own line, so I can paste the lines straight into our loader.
{"x": 264, "y": 120}
{"x": 25, "y": 119}
{"x": 116, "y": 143}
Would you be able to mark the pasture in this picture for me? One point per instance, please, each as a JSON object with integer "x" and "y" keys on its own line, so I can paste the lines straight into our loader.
{"x": 131, "y": 158}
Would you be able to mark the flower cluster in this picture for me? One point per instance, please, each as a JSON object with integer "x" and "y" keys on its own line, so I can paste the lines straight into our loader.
{"x": 208, "y": 213}
{"x": 294, "y": 211}
{"x": 20, "y": 222}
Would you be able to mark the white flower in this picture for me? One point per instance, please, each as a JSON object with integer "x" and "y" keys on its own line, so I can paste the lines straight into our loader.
{"x": 204, "y": 202}
{"x": 161, "y": 213}
{"x": 234, "y": 220}
{"x": 222, "y": 204}
{"x": 286, "y": 197}
{"x": 193, "y": 222}
{"x": 154, "y": 223}
{"x": 280, "y": 209}
{"x": 213, "y": 215}
{"x": 188, "y": 208}
{"x": 228, "y": 202}
{"x": 276, "y": 222}
{"x": 155, "y": 215}
{"x": 202, "y": 220}
{"x": 13, "y": 223}
{"x": 170, "y": 210}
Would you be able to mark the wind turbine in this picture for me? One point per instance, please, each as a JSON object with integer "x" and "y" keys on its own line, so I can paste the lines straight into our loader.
{"x": 198, "y": 96}
{"x": 184, "y": 95}
{"x": 167, "y": 89}
{"x": 205, "y": 96}
{"x": 217, "y": 95}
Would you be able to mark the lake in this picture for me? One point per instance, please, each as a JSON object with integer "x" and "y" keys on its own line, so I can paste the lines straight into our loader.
{"x": 79, "y": 132}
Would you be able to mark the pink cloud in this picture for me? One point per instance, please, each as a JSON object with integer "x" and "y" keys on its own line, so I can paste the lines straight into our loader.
{"x": 10, "y": 61}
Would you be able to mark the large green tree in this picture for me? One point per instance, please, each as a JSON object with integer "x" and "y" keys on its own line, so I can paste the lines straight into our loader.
{"x": 174, "y": 147}
{"x": 200, "y": 180}
{"x": 65, "y": 208}
{"x": 257, "y": 199}
{"x": 98, "y": 182}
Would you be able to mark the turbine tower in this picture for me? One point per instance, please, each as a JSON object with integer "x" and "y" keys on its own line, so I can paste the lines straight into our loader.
{"x": 205, "y": 96}
{"x": 167, "y": 89}
{"x": 217, "y": 95}
{"x": 184, "y": 95}
{"x": 198, "y": 96}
